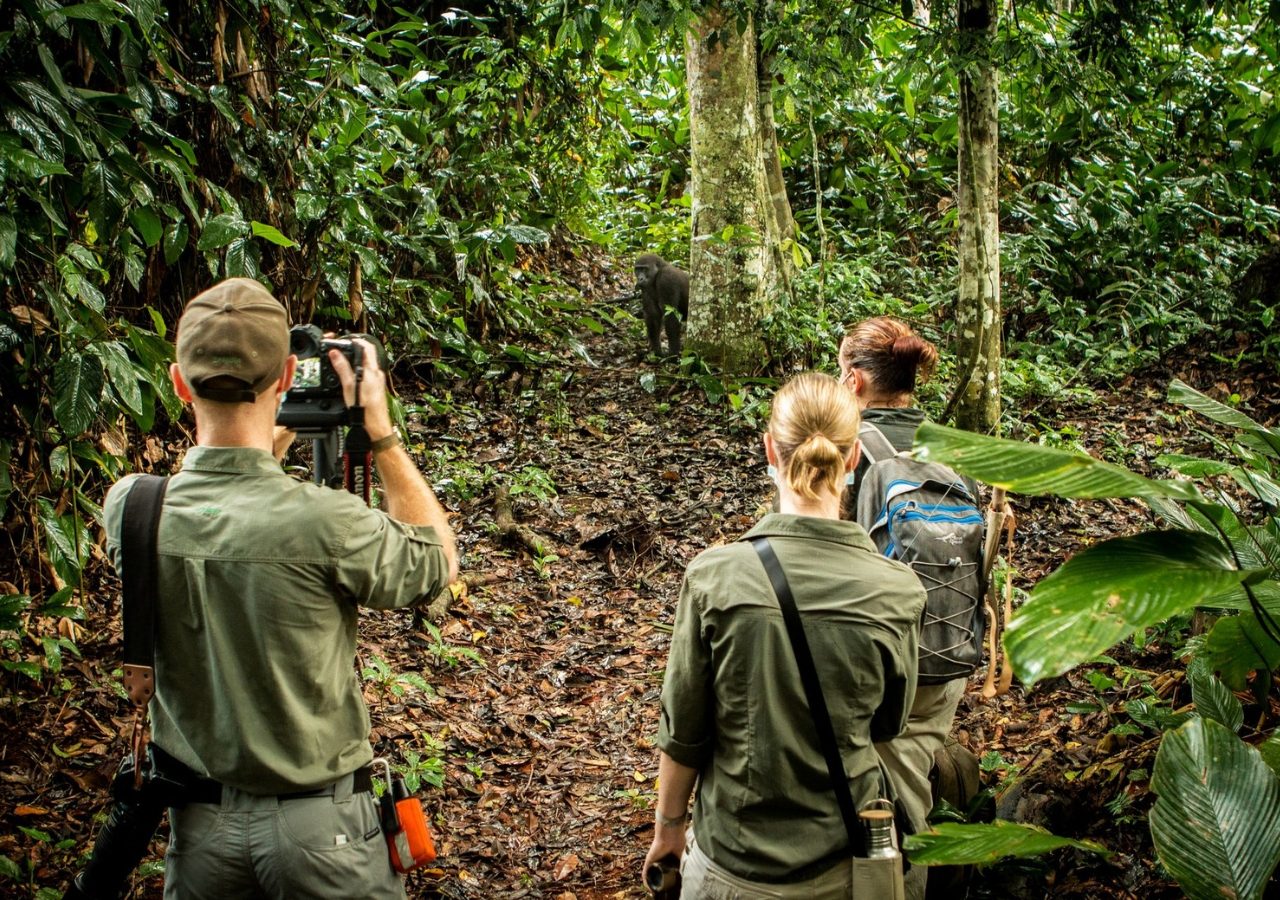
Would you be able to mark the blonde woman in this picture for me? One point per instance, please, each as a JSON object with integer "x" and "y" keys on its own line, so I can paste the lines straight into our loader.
{"x": 735, "y": 723}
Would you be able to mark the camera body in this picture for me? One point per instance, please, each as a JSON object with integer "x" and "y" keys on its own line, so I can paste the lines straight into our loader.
{"x": 314, "y": 402}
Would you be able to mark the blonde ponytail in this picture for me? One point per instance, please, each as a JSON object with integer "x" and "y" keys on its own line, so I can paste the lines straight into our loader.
{"x": 814, "y": 427}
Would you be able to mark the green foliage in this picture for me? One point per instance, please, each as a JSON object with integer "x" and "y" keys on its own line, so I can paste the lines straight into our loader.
{"x": 950, "y": 844}
{"x": 450, "y": 654}
{"x": 1216, "y": 824}
{"x": 1216, "y": 821}
{"x": 1030, "y": 469}
{"x": 1136, "y": 185}
{"x": 18, "y": 614}
{"x": 423, "y": 764}
{"x": 390, "y": 683}
{"x": 534, "y": 482}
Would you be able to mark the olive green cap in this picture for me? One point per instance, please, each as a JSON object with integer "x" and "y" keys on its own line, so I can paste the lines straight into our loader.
{"x": 236, "y": 333}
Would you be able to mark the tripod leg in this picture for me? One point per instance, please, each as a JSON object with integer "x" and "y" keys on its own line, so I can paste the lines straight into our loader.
{"x": 326, "y": 455}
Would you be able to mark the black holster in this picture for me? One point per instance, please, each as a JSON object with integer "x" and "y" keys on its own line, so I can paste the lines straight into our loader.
{"x": 132, "y": 820}
{"x": 120, "y": 846}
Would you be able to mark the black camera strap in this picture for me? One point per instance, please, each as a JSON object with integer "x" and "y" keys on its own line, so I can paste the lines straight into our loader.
{"x": 141, "y": 523}
{"x": 138, "y": 552}
{"x": 357, "y": 462}
{"x": 357, "y": 449}
{"x": 821, "y": 716}
{"x": 813, "y": 693}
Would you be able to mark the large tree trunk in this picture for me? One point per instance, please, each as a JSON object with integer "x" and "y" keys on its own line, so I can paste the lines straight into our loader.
{"x": 978, "y": 316}
{"x": 736, "y": 265}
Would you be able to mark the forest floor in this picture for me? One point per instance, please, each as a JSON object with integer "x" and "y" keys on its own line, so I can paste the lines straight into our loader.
{"x": 537, "y": 699}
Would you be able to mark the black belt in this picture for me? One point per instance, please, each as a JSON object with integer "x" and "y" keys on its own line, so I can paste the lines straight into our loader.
{"x": 206, "y": 790}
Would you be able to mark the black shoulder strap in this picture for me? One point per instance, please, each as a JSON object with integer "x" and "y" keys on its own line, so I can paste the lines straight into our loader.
{"x": 813, "y": 692}
{"x": 138, "y": 559}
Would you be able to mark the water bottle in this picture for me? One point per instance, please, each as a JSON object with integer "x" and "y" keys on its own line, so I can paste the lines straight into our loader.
{"x": 879, "y": 873}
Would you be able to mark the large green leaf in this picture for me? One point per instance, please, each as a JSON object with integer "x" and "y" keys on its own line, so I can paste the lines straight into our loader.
{"x": 66, "y": 539}
{"x": 1032, "y": 469}
{"x": 1214, "y": 700}
{"x": 1104, "y": 593}
{"x": 8, "y": 241}
{"x": 954, "y": 844}
{"x": 1181, "y": 392}
{"x": 220, "y": 231}
{"x": 272, "y": 234}
{"x": 123, "y": 378}
{"x": 1265, "y": 440}
{"x": 1239, "y": 645}
{"x": 1270, "y": 750}
{"x": 175, "y": 241}
{"x": 77, "y": 388}
{"x": 149, "y": 226}
{"x": 1216, "y": 820}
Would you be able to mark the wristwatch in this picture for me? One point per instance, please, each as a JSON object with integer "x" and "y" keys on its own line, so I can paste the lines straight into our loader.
{"x": 672, "y": 821}
{"x": 386, "y": 443}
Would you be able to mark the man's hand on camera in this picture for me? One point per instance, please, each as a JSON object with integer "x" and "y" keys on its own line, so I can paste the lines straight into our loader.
{"x": 373, "y": 389}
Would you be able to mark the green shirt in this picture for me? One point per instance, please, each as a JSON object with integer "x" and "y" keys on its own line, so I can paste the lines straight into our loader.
{"x": 734, "y": 708}
{"x": 260, "y": 575}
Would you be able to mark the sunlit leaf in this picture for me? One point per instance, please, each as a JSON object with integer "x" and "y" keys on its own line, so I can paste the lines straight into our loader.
{"x": 1104, "y": 593}
{"x": 953, "y": 844}
{"x": 272, "y": 234}
{"x": 220, "y": 231}
{"x": 1035, "y": 470}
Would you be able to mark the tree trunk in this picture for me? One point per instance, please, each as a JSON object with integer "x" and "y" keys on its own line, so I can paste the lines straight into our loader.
{"x": 978, "y": 316}
{"x": 736, "y": 264}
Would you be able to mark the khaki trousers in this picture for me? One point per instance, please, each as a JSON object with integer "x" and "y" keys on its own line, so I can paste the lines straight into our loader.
{"x": 909, "y": 757}
{"x": 251, "y": 846}
{"x": 702, "y": 879}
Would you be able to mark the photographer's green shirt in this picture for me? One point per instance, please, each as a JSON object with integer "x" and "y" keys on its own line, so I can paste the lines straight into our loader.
{"x": 734, "y": 708}
{"x": 260, "y": 578}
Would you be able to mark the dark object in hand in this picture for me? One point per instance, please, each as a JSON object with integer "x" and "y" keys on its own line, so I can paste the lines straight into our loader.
{"x": 314, "y": 402}
{"x": 664, "y": 294}
{"x": 662, "y": 878}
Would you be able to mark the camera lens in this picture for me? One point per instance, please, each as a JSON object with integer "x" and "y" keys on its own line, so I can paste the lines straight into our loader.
{"x": 305, "y": 340}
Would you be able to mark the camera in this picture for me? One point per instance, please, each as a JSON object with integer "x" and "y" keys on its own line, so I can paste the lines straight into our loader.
{"x": 314, "y": 402}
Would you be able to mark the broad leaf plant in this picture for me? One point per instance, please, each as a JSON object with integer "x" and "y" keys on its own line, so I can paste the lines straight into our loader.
{"x": 1216, "y": 820}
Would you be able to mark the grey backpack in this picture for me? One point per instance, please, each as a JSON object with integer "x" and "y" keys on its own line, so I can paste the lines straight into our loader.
{"x": 926, "y": 516}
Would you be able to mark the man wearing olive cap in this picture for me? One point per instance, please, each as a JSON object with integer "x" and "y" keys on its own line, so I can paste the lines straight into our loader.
{"x": 260, "y": 576}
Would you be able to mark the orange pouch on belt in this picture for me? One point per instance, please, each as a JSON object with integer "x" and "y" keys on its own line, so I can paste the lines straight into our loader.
{"x": 404, "y": 824}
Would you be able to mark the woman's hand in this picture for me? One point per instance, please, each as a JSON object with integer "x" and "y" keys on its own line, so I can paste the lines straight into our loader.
{"x": 668, "y": 840}
{"x": 675, "y": 786}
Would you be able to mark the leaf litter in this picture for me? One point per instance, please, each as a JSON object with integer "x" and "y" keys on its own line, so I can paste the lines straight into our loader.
{"x": 528, "y": 711}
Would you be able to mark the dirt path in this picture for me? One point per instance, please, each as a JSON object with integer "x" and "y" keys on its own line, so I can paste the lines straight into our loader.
{"x": 535, "y": 702}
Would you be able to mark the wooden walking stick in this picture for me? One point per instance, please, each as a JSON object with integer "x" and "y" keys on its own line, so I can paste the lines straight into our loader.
{"x": 1000, "y": 521}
